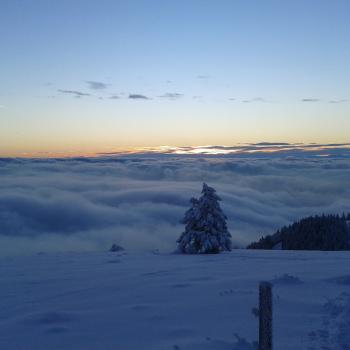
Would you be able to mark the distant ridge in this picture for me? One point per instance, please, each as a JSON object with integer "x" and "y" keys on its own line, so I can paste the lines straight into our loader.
{"x": 325, "y": 232}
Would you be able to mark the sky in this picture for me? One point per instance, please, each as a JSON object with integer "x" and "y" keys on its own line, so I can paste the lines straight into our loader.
{"x": 86, "y": 77}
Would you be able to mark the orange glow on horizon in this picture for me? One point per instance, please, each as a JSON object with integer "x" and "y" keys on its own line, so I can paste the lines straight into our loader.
{"x": 184, "y": 150}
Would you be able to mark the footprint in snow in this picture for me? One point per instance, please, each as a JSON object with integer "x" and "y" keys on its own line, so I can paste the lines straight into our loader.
{"x": 156, "y": 317}
{"x": 55, "y": 317}
{"x": 57, "y": 330}
{"x": 50, "y": 318}
{"x": 336, "y": 324}
{"x": 140, "y": 307}
{"x": 181, "y": 333}
{"x": 342, "y": 280}
{"x": 158, "y": 273}
{"x": 287, "y": 280}
{"x": 227, "y": 292}
{"x": 114, "y": 261}
{"x": 203, "y": 278}
{"x": 181, "y": 285}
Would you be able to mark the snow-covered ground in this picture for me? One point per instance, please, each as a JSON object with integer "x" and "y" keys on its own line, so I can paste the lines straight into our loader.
{"x": 136, "y": 300}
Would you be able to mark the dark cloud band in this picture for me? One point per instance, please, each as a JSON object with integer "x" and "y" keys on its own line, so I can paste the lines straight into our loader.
{"x": 138, "y": 97}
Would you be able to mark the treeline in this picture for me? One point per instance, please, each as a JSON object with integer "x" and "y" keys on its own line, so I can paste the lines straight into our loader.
{"x": 325, "y": 232}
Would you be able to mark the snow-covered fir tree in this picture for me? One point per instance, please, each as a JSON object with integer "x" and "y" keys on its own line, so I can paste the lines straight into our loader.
{"x": 206, "y": 229}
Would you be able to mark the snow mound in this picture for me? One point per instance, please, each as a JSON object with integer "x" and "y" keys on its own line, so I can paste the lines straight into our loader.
{"x": 116, "y": 248}
{"x": 287, "y": 280}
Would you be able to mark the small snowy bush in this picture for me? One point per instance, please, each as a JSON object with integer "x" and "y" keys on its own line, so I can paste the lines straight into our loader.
{"x": 116, "y": 248}
{"x": 206, "y": 229}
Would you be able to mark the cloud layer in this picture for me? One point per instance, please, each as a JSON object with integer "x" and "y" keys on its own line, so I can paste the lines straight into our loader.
{"x": 90, "y": 203}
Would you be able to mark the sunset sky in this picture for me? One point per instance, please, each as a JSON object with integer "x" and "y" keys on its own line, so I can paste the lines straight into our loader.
{"x": 82, "y": 77}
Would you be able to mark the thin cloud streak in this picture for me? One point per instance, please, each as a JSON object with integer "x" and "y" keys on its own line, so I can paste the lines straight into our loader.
{"x": 310, "y": 100}
{"x": 203, "y": 76}
{"x": 138, "y": 97}
{"x": 338, "y": 101}
{"x": 172, "y": 95}
{"x": 76, "y": 93}
{"x": 255, "y": 99}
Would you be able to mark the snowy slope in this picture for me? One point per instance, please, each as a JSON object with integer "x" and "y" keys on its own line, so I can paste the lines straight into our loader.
{"x": 153, "y": 301}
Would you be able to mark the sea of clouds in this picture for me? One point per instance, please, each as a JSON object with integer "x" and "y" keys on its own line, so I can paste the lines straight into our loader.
{"x": 137, "y": 201}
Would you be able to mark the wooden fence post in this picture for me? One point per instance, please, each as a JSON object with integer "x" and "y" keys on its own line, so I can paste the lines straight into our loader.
{"x": 265, "y": 316}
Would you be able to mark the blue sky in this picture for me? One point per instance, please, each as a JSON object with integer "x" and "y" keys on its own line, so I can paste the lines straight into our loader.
{"x": 73, "y": 74}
